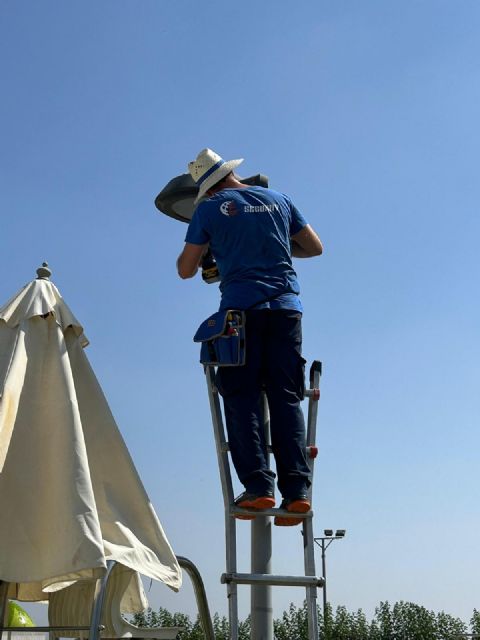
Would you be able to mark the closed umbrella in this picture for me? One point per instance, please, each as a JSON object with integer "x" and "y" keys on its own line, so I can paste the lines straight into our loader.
{"x": 70, "y": 496}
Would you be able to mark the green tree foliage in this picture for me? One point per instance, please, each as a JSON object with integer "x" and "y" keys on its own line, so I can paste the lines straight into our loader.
{"x": 413, "y": 622}
{"x": 402, "y": 621}
{"x": 475, "y": 622}
{"x": 346, "y": 625}
{"x": 382, "y": 624}
{"x": 293, "y": 623}
{"x": 450, "y": 627}
{"x": 408, "y": 621}
{"x": 163, "y": 618}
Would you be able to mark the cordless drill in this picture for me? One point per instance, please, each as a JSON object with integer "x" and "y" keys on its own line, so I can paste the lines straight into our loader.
{"x": 210, "y": 273}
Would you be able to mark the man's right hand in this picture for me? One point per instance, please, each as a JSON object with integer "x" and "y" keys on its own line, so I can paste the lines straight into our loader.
{"x": 306, "y": 243}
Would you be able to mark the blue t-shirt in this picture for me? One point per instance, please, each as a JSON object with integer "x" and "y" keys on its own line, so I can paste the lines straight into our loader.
{"x": 249, "y": 232}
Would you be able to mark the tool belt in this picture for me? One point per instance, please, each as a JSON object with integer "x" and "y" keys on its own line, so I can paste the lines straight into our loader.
{"x": 222, "y": 338}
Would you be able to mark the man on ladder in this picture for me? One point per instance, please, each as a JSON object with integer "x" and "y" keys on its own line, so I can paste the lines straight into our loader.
{"x": 253, "y": 232}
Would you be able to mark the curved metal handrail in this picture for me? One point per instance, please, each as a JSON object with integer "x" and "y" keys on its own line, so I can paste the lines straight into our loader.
{"x": 200, "y": 596}
{"x": 95, "y": 627}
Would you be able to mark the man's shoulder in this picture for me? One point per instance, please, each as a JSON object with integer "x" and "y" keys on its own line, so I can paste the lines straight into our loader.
{"x": 206, "y": 205}
{"x": 273, "y": 196}
{"x": 268, "y": 192}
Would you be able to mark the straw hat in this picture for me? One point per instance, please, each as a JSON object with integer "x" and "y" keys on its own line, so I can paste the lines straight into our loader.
{"x": 208, "y": 169}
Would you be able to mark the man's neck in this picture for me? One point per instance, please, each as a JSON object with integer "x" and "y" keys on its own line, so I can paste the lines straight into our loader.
{"x": 231, "y": 183}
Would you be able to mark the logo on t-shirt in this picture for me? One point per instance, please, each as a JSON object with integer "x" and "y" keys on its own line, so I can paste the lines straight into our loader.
{"x": 261, "y": 208}
{"x": 228, "y": 208}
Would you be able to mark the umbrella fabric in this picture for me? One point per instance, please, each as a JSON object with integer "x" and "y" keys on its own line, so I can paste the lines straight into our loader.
{"x": 70, "y": 496}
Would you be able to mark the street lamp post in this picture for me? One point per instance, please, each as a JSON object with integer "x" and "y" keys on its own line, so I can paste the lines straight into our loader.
{"x": 324, "y": 542}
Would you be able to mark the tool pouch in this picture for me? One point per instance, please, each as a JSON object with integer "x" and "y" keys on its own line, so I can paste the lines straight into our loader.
{"x": 222, "y": 338}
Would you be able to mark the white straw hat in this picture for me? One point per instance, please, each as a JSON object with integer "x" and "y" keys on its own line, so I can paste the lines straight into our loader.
{"x": 208, "y": 169}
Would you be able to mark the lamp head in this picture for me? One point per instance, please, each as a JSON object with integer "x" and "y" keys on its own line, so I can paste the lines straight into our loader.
{"x": 177, "y": 198}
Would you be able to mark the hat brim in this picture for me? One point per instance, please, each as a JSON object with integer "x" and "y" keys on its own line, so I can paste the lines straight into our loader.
{"x": 216, "y": 176}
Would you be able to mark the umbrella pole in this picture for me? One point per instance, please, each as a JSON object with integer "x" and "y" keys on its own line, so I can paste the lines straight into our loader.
{"x": 261, "y": 560}
{"x": 3, "y": 604}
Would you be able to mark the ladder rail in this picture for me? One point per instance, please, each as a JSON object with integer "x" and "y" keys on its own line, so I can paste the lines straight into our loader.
{"x": 260, "y": 579}
{"x": 219, "y": 432}
{"x": 313, "y": 395}
{"x": 221, "y": 446}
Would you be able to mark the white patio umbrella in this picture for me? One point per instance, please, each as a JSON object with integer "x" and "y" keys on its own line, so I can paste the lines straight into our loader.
{"x": 70, "y": 497}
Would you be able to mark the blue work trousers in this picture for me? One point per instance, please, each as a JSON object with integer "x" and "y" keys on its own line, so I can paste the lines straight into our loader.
{"x": 274, "y": 364}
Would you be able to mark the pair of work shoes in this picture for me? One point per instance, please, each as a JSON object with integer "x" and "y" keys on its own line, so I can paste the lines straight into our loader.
{"x": 254, "y": 502}
{"x": 293, "y": 505}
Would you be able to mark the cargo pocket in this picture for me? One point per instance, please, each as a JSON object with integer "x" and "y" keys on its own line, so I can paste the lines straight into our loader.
{"x": 231, "y": 380}
{"x": 301, "y": 377}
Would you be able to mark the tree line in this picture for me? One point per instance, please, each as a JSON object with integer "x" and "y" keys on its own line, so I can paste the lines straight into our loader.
{"x": 401, "y": 621}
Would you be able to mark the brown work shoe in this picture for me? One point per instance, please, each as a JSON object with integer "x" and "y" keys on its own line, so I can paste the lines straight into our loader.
{"x": 254, "y": 501}
{"x": 294, "y": 505}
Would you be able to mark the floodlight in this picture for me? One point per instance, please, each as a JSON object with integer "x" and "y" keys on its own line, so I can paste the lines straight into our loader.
{"x": 328, "y": 532}
{"x": 340, "y": 533}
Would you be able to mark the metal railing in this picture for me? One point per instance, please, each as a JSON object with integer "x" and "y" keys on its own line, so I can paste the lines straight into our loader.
{"x": 95, "y": 628}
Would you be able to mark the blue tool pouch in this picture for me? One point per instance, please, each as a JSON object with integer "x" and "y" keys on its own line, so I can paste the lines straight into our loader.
{"x": 222, "y": 338}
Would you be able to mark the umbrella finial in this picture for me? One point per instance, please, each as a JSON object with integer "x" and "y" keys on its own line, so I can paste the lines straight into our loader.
{"x": 43, "y": 272}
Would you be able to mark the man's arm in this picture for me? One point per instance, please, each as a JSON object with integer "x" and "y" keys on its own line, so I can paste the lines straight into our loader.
{"x": 306, "y": 243}
{"x": 189, "y": 260}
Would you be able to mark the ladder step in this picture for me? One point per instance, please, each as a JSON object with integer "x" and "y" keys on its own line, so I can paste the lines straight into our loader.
{"x": 265, "y": 578}
{"x": 270, "y": 512}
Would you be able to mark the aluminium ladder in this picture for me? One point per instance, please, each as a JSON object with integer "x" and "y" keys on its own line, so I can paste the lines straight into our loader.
{"x": 261, "y": 579}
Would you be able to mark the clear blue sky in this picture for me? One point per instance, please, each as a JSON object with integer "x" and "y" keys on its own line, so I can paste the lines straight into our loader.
{"x": 367, "y": 114}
